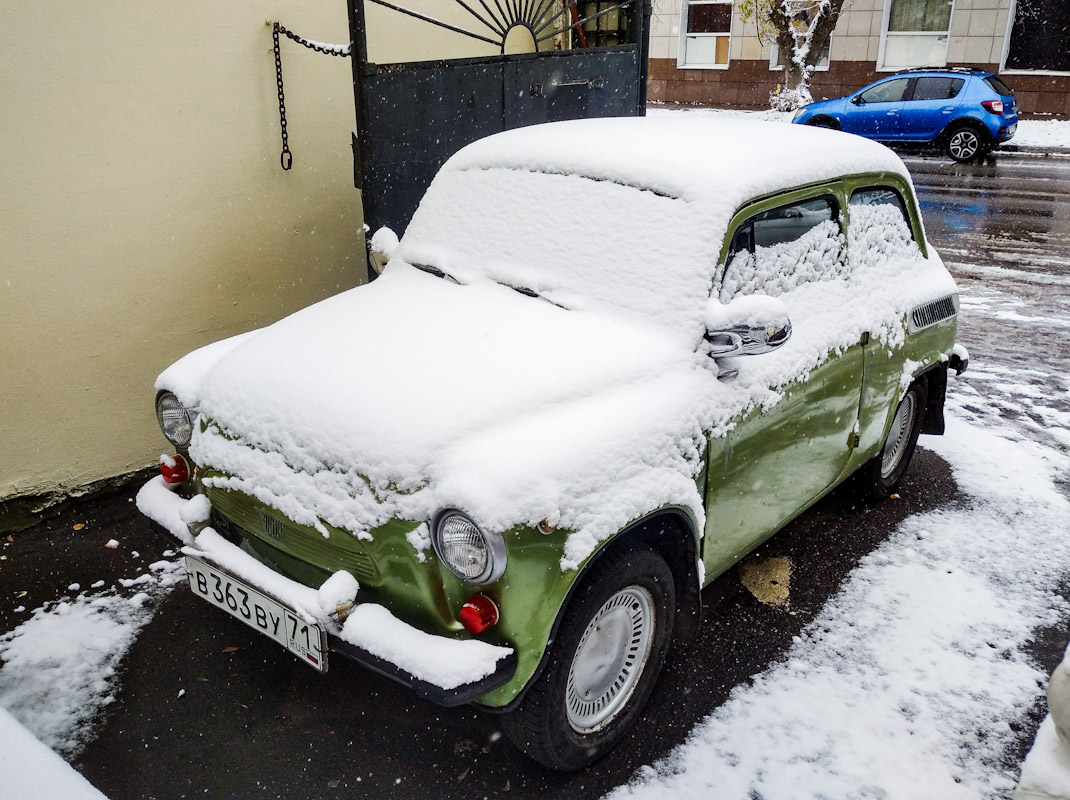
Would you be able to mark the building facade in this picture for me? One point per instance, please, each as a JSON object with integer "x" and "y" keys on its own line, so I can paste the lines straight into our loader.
{"x": 702, "y": 51}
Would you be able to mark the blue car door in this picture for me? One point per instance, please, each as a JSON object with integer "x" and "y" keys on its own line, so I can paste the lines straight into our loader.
{"x": 930, "y": 107}
{"x": 875, "y": 111}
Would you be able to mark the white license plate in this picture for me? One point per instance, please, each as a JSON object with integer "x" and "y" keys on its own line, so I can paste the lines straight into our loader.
{"x": 305, "y": 640}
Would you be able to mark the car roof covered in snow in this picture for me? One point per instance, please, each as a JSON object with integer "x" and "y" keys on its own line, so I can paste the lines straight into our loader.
{"x": 682, "y": 155}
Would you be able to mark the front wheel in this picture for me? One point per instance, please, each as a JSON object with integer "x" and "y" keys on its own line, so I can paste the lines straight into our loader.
{"x": 964, "y": 144}
{"x": 603, "y": 663}
{"x": 882, "y": 474}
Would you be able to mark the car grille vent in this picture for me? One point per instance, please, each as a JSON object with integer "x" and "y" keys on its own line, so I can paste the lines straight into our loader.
{"x": 929, "y": 314}
{"x": 298, "y": 541}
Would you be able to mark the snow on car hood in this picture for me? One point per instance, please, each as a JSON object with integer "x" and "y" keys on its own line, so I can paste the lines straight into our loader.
{"x": 395, "y": 398}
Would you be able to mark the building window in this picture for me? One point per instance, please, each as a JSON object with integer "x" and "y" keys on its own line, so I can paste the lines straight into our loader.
{"x": 916, "y": 33}
{"x": 707, "y": 33}
{"x": 776, "y": 61}
{"x": 1039, "y": 37}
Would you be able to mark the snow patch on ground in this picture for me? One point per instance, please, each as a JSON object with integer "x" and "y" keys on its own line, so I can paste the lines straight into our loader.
{"x": 29, "y": 770}
{"x": 59, "y": 667}
{"x": 906, "y": 682}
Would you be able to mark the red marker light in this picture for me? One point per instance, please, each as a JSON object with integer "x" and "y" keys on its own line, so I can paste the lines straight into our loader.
{"x": 175, "y": 469}
{"x": 478, "y": 614}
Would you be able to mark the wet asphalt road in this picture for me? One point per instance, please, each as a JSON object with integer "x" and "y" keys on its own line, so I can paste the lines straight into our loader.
{"x": 253, "y": 722}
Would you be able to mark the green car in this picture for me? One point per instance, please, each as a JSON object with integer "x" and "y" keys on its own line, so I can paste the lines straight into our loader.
{"x": 607, "y": 359}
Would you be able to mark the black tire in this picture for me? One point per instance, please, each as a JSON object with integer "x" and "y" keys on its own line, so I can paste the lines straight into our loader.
{"x": 882, "y": 474}
{"x": 964, "y": 143}
{"x": 825, "y": 122}
{"x": 544, "y": 725}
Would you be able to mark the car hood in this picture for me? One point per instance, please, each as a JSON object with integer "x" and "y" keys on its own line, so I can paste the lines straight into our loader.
{"x": 381, "y": 386}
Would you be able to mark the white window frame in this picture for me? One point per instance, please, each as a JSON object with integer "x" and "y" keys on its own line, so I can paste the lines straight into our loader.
{"x": 774, "y": 55}
{"x": 681, "y": 50}
{"x": 885, "y": 33}
{"x": 1007, "y": 50}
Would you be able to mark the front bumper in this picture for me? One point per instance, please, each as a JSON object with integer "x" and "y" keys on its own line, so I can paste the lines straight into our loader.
{"x": 444, "y": 670}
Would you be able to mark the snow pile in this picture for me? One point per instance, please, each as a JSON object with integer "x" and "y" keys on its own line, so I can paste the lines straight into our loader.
{"x": 59, "y": 667}
{"x": 1050, "y": 134}
{"x": 906, "y": 682}
{"x": 1046, "y": 771}
{"x": 554, "y": 372}
{"x": 29, "y": 770}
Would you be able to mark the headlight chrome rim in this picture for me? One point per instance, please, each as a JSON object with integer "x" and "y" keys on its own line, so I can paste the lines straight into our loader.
{"x": 492, "y": 544}
{"x": 174, "y": 418}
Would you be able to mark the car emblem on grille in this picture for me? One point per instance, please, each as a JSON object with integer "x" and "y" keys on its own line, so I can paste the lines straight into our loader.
{"x": 272, "y": 525}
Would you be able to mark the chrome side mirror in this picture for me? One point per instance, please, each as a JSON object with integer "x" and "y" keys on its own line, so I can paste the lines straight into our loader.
{"x": 747, "y": 326}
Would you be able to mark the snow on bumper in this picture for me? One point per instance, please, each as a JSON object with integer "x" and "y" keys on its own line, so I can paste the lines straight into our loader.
{"x": 447, "y": 671}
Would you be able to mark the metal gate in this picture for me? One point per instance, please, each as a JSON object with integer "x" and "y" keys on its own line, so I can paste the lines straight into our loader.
{"x": 412, "y": 116}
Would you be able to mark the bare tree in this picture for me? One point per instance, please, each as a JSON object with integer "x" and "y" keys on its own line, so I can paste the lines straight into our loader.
{"x": 801, "y": 29}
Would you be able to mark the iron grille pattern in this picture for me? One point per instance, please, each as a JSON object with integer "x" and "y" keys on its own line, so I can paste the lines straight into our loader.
{"x": 929, "y": 314}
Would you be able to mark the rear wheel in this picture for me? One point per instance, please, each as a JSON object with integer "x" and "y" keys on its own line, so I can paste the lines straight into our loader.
{"x": 964, "y": 143}
{"x": 603, "y": 663}
{"x": 881, "y": 475}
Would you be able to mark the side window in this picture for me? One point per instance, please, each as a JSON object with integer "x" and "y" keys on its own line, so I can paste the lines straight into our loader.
{"x": 937, "y": 88}
{"x": 879, "y": 233}
{"x": 778, "y": 250}
{"x": 888, "y": 92}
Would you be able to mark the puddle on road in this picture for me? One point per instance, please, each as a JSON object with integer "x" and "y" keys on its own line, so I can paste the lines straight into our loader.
{"x": 768, "y": 579}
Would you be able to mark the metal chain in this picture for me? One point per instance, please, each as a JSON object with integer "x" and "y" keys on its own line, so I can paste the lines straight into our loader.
{"x": 287, "y": 158}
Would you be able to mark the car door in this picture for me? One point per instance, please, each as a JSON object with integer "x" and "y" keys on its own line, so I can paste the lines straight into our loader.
{"x": 776, "y": 461}
{"x": 930, "y": 107}
{"x": 875, "y": 111}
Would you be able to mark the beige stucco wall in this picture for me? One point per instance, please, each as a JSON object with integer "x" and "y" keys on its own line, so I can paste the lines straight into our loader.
{"x": 143, "y": 211}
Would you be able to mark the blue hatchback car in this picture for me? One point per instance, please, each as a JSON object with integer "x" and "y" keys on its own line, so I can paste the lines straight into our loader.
{"x": 965, "y": 111}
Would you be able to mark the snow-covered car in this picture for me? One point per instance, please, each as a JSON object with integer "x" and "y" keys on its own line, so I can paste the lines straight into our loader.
{"x": 607, "y": 359}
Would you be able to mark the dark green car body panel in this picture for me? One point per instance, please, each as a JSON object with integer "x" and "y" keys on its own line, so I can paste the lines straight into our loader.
{"x": 772, "y": 465}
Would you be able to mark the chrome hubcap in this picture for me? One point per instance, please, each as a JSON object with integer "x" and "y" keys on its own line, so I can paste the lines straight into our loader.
{"x": 964, "y": 144}
{"x": 899, "y": 436}
{"x": 610, "y": 659}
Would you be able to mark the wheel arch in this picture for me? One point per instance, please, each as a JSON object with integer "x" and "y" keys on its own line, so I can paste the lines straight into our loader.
{"x": 965, "y": 122}
{"x": 825, "y": 121}
{"x": 673, "y": 533}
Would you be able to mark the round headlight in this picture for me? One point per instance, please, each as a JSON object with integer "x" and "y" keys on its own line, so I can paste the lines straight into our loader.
{"x": 468, "y": 552}
{"x": 174, "y": 419}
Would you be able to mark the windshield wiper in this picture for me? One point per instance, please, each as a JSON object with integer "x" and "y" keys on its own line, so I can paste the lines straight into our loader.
{"x": 524, "y": 290}
{"x": 438, "y": 273}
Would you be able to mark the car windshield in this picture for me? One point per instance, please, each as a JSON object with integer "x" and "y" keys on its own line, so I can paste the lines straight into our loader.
{"x": 575, "y": 241}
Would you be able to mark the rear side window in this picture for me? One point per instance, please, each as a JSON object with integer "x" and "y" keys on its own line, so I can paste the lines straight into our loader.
{"x": 778, "y": 250}
{"x": 879, "y": 234}
{"x": 999, "y": 86}
{"x": 941, "y": 88}
{"x": 888, "y": 92}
